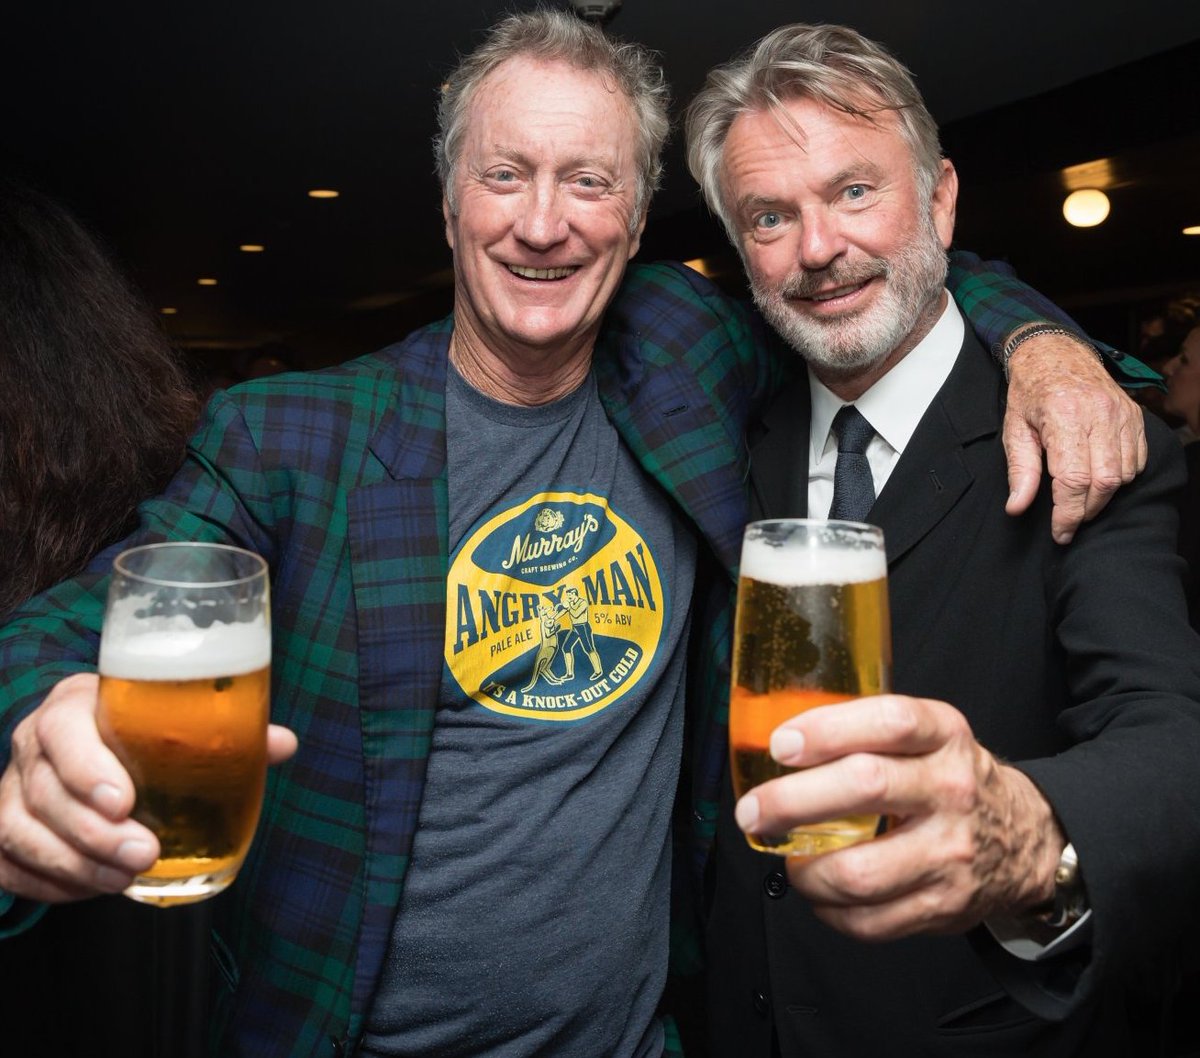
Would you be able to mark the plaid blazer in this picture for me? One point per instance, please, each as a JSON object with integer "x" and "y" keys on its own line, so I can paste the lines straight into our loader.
{"x": 338, "y": 478}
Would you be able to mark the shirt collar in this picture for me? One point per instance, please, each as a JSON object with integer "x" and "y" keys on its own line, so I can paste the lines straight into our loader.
{"x": 895, "y": 404}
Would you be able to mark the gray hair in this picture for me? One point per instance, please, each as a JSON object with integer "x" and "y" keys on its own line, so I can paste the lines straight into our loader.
{"x": 833, "y": 65}
{"x": 557, "y": 35}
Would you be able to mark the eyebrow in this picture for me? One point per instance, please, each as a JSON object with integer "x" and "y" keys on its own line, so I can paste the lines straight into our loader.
{"x": 863, "y": 170}
{"x": 516, "y": 156}
{"x": 850, "y": 174}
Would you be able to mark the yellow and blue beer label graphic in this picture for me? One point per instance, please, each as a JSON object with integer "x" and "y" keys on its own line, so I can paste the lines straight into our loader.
{"x": 554, "y": 608}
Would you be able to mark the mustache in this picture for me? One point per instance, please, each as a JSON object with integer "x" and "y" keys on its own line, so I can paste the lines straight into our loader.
{"x": 806, "y": 284}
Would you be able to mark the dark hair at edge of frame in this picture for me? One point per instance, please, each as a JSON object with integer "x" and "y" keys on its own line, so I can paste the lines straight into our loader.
{"x": 95, "y": 407}
{"x": 554, "y": 34}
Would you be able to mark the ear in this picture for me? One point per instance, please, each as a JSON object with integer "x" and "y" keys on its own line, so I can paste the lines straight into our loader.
{"x": 942, "y": 205}
{"x": 448, "y": 217}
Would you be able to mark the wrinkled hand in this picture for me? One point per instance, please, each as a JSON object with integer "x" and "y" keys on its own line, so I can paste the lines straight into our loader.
{"x": 1060, "y": 397}
{"x": 969, "y": 837}
{"x": 65, "y": 799}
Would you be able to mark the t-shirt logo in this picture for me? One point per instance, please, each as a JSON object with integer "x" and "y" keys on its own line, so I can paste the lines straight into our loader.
{"x": 554, "y": 608}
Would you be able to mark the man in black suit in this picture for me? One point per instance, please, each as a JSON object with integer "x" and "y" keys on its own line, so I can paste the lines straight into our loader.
{"x": 1074, "y": 663}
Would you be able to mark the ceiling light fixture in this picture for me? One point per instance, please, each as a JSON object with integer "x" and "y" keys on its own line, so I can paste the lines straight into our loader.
{"x": 323, "y": 192}
{"x": 206, "y": 281}
{"x": 1192, "y": 230}
{"x": 168, "y": 310}
{"x": 1086, "y": 208}
{"x": 251, "y": 247}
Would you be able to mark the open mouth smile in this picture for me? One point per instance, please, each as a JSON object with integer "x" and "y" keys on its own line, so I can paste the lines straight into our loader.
{"x": 543, "y": 273}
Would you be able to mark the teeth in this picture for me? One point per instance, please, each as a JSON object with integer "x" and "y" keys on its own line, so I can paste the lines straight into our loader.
{"x": 541, "y": 273}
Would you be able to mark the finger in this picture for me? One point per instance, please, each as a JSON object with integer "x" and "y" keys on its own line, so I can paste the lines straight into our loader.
{"x": 861, "y": 784}
{"x": 34, "y": 886}
{"x": 885, "y": 723}
{"x": 1133, "y": 438}
{"x": 281, "y": 743}
{"x": 63, "y": 732}
{"x": 77, "y": 848}
{"x": 848, "y": 786}
{"x": 1106, "y": 471}
{"x": 1069, "y": 492}
{"x": 1024, "y": 466}
{"x": 892, "y": 887}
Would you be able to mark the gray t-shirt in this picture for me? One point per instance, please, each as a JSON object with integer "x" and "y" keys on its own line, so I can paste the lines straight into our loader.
{"x": 535, "y": 913}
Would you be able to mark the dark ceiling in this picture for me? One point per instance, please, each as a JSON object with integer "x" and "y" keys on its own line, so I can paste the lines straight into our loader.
{"x": 180, "y": 131}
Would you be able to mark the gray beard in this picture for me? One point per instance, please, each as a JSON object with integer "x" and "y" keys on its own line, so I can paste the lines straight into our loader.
{"x": 852, "y": 344}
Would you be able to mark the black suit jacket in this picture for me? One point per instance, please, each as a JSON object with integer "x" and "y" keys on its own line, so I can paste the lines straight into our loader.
{"x": 1076, "y": 662}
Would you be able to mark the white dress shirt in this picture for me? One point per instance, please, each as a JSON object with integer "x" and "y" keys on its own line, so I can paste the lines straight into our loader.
{"x": 893, "y": 406}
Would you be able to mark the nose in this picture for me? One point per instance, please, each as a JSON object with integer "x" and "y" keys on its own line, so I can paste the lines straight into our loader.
{"x": 1170, "y": 367}
{"x": 543, "y": 219}
{"x": 821, "y": 239}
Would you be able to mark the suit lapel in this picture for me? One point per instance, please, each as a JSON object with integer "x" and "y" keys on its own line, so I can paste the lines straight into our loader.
{"x": 932, "y": 474}
{"x": 666, "y": 419}
{"x": 397, "y": 536}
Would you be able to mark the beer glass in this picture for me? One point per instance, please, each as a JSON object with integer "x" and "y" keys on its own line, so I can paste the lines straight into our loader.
{"x": 185, "y": 673}
{"x": 811, "y": 629}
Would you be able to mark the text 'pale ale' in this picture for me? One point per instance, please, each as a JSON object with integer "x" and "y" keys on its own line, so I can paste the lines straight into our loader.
{"x": 811, "y": 629}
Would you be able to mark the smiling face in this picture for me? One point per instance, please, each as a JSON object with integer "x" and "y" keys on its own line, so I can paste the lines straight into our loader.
{"x": 545, "y": 187}
{"x": 845, "y": 259}
{"x": 1183, "y": 381}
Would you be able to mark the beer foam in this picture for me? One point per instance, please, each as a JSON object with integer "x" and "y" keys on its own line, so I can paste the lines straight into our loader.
{"x": 793, "y": 564}
{"x": 172, "y": 648}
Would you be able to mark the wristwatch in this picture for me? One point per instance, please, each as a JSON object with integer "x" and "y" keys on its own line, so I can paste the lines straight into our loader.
{"x": 1070, "y": 899}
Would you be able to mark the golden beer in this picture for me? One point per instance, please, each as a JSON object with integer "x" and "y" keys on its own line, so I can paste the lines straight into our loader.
{"x": 197, "y": 753}
{"x": 811, "y": 629}
{"x": 185, "y": 675}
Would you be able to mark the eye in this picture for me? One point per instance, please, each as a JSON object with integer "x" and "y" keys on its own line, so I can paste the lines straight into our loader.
{"x": 502, "y": 174}
{"x": 856, "y": 192}
{"x": 767, "y": 221}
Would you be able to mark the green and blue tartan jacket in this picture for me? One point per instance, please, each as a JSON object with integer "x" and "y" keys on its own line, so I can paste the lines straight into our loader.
{"x": 338, "y": 478}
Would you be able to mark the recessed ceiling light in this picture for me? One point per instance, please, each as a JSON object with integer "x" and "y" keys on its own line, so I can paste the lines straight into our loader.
{"x": 323, "y": 192}
{"x": 168, "y": 310}
{"x": 1086, "y": 208}
{"x": 251, "y": 247}
{"x": 207, "y": 281}
{"x": 1193, "y": 230}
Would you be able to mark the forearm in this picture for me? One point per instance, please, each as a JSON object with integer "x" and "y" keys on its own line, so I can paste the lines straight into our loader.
{"x": 998, "y": 306}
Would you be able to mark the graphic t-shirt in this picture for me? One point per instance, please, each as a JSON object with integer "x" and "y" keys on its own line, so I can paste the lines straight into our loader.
{"x": 535, "y": 912}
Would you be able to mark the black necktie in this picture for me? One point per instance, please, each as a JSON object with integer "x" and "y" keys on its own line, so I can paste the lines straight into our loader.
{"x": 853, "y": 487}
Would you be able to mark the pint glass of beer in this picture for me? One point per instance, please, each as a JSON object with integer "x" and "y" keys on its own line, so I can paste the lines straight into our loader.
{"x": 185, "y": 673}
{"x": 811, "y": 629}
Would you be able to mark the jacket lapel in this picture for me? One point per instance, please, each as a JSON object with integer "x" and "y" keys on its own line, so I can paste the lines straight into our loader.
{"x": 933, "y": 474}
{"x": 397, "y": 534}
{"x": 667, "y": 420}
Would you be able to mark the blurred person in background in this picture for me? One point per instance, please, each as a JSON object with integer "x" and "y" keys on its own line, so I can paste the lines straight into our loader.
{"x": 1182, "y": 400}
{"x": 95, "y": 410}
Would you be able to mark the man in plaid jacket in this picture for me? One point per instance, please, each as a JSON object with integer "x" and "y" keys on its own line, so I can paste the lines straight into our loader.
{"x": 350, "y": 482}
